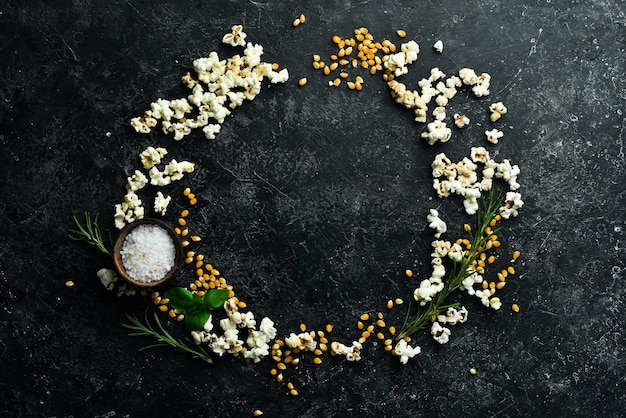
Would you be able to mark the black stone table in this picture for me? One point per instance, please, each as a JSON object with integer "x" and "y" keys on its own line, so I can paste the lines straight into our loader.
{"x": 312, "y": 202}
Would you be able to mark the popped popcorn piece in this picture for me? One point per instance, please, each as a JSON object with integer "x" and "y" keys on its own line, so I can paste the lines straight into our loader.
{"x": 161, "y": 202}
{"x": 405, "y": 351}
{"x": 136, "y": 182}
{"x": 494, "y": 135}
{"x": 107, "y": 277}
{"x": 440, "y": 112}
{"x": 152, "y": 156}
{"x": 236, "y": 37}
{"x": 211, "y": 130}
{"x": 303, "y": 341}
{"x": 479, "y": 155}
{"x": 482, "y": 85}
{"x": 439, "y": 333}
{"x": 512, "y": 203}
{"x": 437, "y": 132}
{"x": 438, "y": 46}
{"x": 461, "y": 120}
{"x": 497, "y": 110}
{"x": 352, "y": 353}
{"x": 436, "y": 223}
{"x": 453, "y": 316}
{"x": 468, "y": 76}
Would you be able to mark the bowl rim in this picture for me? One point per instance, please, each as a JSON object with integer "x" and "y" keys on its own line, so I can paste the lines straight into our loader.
{"x": 117, "y": 257}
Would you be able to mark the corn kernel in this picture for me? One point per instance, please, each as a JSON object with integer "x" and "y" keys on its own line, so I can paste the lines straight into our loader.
{"x": 337, "y": 82}
{"x": 515, "y": 307}
{"x": 398, "y": 301}
{"x": 193, "y": 201}
{"x": 196, "y": 238}
{"x": 326, "y": 70}
{"x": 380, "y": 323}
{"x": 257, "y": 413}
{"x": 69, "y": 283}
{"x": 302, "y": 18}
{"x": 392, "y": 330}
{"x": 365, "y": 317}
{"x": 516, "y": 255}
{"x": 380, "y": 336}
{"x": 182, "y": 222}
{"x": 295, "y": 23}
{"x": 473, "y": 371}
{"x": 408, "y": 273}
{"x": 293, "y": 392}
{"x": 351, "y": 85}
{"x": 316, "y": 58}
{"x": 329, "y": 328}
{"x": 510, "y": 269}
{"x": 389, "y": 304}
{"x": 317, "y": 352}
{"x": 302, "y": 81}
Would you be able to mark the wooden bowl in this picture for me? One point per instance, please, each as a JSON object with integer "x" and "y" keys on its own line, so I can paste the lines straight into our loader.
{"x": 117, "y": 257}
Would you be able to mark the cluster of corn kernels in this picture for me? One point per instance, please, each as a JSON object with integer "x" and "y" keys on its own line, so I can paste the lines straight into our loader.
{"x": 481, "y": 260}
{"x": 360, "y": 51}
{"x": 285, "y": 356}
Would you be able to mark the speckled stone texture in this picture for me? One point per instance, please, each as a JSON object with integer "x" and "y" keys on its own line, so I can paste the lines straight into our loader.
{"x": 312, "y": 203}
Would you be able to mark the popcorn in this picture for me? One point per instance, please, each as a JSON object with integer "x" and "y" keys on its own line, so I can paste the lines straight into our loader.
{"x": 493, "y": 135}
{"x": 405, "y": 351}
{"x": 161, "y": 202}
{"x": 497, "y": 110}
{"x": 236, "y": 37}
{"x": 439, "y": 333}
{"x": 220, "y": 85}
{"x": 482, "y": 85}
{"x": 453, "y": 316}
{"x": 302, "y": 341}
{"x": 136, "y": 182}
{"x": 468, "y": 76}
{"x": 352, "y": 353}
{"x": 440, "y": 112}
{"x": 479, "y": 155}
{"x": 438, "y": 46}
{"x": 437, "y": 131}
{"x": 151, "y": 156}
{"x": 512, "y": 203}
{"x": 436, "y": 223}
{"x": 107, "y": 277}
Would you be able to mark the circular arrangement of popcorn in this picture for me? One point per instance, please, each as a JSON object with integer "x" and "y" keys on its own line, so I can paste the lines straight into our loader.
{"x": 219, "y": 86}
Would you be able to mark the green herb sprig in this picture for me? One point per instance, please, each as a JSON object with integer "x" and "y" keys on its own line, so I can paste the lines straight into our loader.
{"x": 164, "y": 338}
{"x": 197, "y": 309}
{"x": 486, "y": 213}
{"x": 89, "y": 233}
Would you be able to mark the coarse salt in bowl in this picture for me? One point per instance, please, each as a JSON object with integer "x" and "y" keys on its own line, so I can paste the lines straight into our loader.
{"x": 147, "y": 252}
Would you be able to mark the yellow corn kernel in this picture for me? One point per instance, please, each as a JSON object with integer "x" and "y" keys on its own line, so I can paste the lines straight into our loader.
{"x": 344, "y": 62}
{"x": 293, "y": 392}
{"x": 366, "y": 334}
{"x": 180, "y": 317}
{"x": 491, "y": 259}
{"x": 360, "y": 325}
{"x": 184, "y": 232}
{"x": 392, "y": 330}
{"x": 193, "y": 201}
{"x": 326, "y": 70}
{"x": 316, "y": 58}
{"x": 380, "y": 336}
{"x": 163, "y": 308}
{"x": 343, "y": 74}
{"x": 69, "y": 283}
{"x": 515, "y": 307}
{"x": 485, "y": 285}
{"x": 295, "y": 23}
{"x": 500, "y": 285}
{"x": 196, "y": 238}
{"x": 182, "y": 222}
{"x": 177, "y": 230}
{"x": 358, "y": 86}
{"x": 241, "y": 304}
{"x": 516, "y": 255}
{"x": 257, "y": 413}
{"x": 365, "y": 317}
{"x": 370, "y": 328}
{"x": 302, "y": 18}
{"x": 473, "y": 371}
{"x": 408, "y": 273}
{"x": 316, "y": 65}
{"x": 489, "y": 245}
{"x": 389, "y": 304}
{"x": 351, "y": 85}
{"x": 379, "y": 315}
{"x": 510, "y": 269}
{"x": 281, "y": 366}
{"x": 171, "y": 313}
{"x": 336, "y": 39}
{"x": 302, "y": 81}
{"x": 333, "y": 66}
{"x": 337, "y": 82}
{"x": 317, "y": 352}
{"x": 329, "y": 328}
{"x": 501, "y": 277}
{"x": 380, "y": 323}
{"x": 302, "y": 327}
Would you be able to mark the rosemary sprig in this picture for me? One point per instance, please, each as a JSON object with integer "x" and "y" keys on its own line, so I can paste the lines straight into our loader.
{"x": 487, "y": 211}
{"x": 90, "y": 233}
{"x": 164, "y": 339}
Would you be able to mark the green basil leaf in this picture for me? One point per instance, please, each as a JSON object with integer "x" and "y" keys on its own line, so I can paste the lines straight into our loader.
{"x": 196, "y": 322}
{"x": 180, "y": 298}
{"x": 215, "y": 298}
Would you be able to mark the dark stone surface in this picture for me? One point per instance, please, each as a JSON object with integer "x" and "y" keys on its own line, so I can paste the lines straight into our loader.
{"x": 312, "y": 204}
